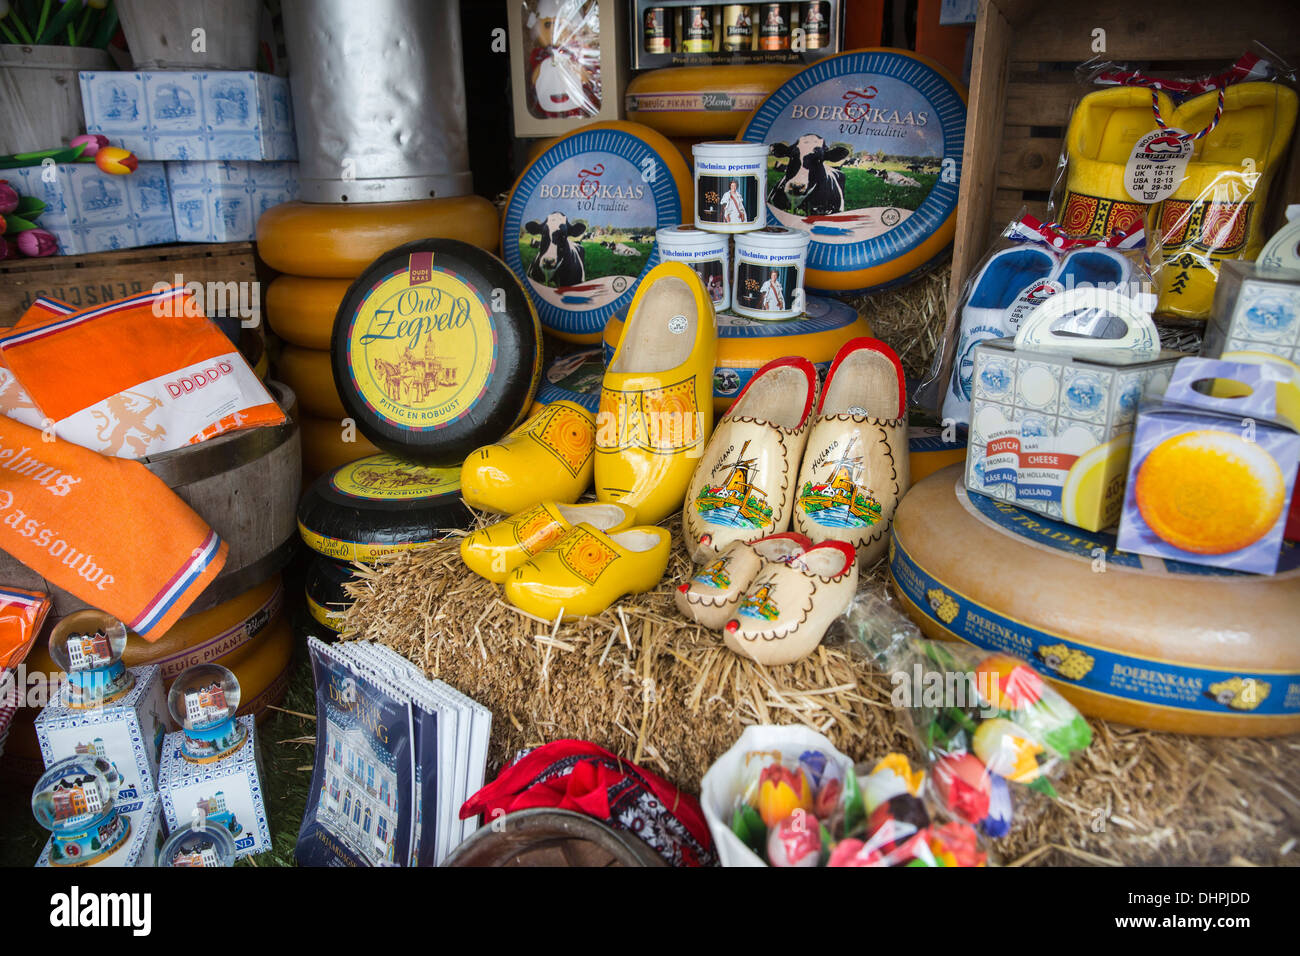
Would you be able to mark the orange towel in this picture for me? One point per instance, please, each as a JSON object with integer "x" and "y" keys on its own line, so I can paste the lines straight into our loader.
{"x": 22, "y": 613}
{"x": 14, "y": 400}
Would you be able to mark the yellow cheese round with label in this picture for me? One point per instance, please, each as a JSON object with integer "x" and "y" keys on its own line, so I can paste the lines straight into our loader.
{"x": 1139, "y": 640}
{"x": 309, "y": 373}
{"x": 338, "y": 240}
{"x": 301, "y": 310}
{"x": 324, "y": 447}
{"x": 702, "y": 101}
{"x": 262, "y": 665}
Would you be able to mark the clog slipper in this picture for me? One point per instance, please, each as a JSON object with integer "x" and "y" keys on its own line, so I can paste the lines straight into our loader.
{"x": 1098, "y": 269}
{"x": 547, "y": 458}
{"x": 743, "y": 487}
{"x": 1218, "y": 211}
{"x": 587, "y": 570}
{"x": 711, "y": 595}
{"x": 855, "y": 465}
{"x": 785, "y": 613}
{"x": 493, "y": 552}
{"x": 656, "y": 400}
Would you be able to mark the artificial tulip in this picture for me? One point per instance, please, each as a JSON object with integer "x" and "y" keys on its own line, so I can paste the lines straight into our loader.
{"x": 962, "y": 784}
{"x": 781, "y": 792}
{"x": 93, "y": 143}
{"x": 8, "y": 199}
{"x": 1008, "y": 683}
{"x": 8, "y": 249}
{"x": 116, "y": 160}
{"x": 1007, "y": 750}
{"x": 795, "y": 841}
{"x": 37, "y": 243}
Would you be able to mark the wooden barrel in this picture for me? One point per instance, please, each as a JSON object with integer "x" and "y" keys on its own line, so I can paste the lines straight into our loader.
{"x": 244, "y": 484}
{"x": 545, "y": 837}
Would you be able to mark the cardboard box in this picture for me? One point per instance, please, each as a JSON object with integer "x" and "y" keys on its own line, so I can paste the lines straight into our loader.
{"x": 1255, "y": 311}
{"x": 177, "y": 115}
{"x": 1050, "y": 430}
{"x": 142, "y": 843}
{"x": 221, "y": 201}
{"x": 92, "y": 211}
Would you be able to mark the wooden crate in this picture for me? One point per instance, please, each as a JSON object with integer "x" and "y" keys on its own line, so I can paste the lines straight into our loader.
{"x": 104, "y": 276}
{"x": 1022, "y": 89}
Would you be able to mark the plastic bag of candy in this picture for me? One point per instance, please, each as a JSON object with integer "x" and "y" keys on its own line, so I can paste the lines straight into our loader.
{"x": 991, "y": 728}
{"x": 784, "y": 796}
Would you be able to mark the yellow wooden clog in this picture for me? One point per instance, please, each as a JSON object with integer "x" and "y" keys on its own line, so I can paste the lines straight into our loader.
{"x": 493, "y": 552}
{"x": 547, "y": 458}
{"x": 587, "y": 570}
{"x": 656, "y": 401}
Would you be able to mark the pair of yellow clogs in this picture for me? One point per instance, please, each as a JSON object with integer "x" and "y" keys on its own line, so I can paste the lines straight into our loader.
{"x": 1216, "y": 212}
{"x": 833, "y": 467}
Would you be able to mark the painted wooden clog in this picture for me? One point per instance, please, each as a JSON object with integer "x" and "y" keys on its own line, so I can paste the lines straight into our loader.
{"x": 547, "y": 458}
{"x": 784, "y": 614}
{"x": 493, "y": 552}
{"x": 744, "y": 486}
{"x": 711, "y": 595}
{"x": 587, "y": 570}
{"x": 656, "y": 400}
{"x": 855, "y": 464}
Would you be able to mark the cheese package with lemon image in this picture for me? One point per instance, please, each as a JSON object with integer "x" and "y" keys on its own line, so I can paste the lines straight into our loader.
{"x": 1212, "y": 472}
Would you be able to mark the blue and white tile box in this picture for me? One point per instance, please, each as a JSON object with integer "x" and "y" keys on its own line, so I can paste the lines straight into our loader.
{"x": 128, "y": 733}
{"x": 89, "y": 210}
{"x": 234, "y": 782}
{"x": 1255, "y": 310}
{"x": 143, "y": 842}
{"x": 221, "y": 200}
{"x": 178, "y": 115}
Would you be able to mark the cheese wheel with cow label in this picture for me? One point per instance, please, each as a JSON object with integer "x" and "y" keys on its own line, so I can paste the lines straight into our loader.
{"x": 301, "y": 310}
{"x": 309, "y": 372}
{"x": 437, "y": 351}
{"x": 865, "y": 153}
{"x": 1143, "y": 641}
{"x": 338, "y": 240}
{"x": 378, "y": 505}
{"x": 705, "y": 102}
{"x": 575, "y": 377}
{"x": 579, "y": 226}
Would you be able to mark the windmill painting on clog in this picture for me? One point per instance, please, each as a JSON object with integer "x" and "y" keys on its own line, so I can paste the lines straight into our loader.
{"x": 743, "y": 488}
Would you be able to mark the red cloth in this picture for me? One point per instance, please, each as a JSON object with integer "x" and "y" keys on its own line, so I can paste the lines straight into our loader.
{"x": 579, "y": 776}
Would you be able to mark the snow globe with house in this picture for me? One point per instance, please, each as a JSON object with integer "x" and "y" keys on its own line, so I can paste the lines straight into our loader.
{"x": 202, "y": 844}
{"x": 210, "y": 768}
{"x": 78, "y": 800}
{"x": 88, "y": 648}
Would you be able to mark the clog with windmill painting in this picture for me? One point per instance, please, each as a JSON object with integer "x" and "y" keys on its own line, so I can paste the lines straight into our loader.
{"x": 743, "y": 487}
{"x": 855, "y": 464}
{"x": 656, "y": 400}
{"x": 493, "y": 552}
{"x": 711, "y": 595}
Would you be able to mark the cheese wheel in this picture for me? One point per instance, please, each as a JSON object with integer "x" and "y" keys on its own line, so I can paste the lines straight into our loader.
{"x": 575, "y": 377}
{"x": 880, "y": 199}
{"x": 309, "y": 373}
{"x": 323, "y": 447}
{"x": 326, "y": 599}
{"x": 708, "y": 102}
{"x": 263, "y": 666}
{"x": 580, "y": 222}
{"x": 1143, "y": 641}
{"x": 746, "y": 345}
{"x": 928, "y": 451}
{"x": 338, "y": 240}
{"x": 301, "y": 310}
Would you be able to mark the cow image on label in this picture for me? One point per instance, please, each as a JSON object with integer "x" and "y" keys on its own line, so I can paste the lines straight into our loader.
{"x": 806, "y": 184}
{"x": 559, "y": 262}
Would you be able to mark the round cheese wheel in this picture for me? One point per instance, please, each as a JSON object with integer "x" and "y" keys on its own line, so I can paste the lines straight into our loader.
{"x": 702, "y": 101}
{"x": 338, "y": 240}
{"x": 746, "y": 345}
{"x": 575, "y": 377}
{"x": 324, "y": 448}
{"x": 309, "y": 373}
{"x": 880, "y": 199}
{"x": 263, "y": 671}
{"x": 928, "y": 450}
{"x": 437, "y": 350}
{"x": 301, "y": 310}
{"x": 1139, "y": 640}
{"x": 326, "y": 599}
{"x": 379, "y": 505}
{"x": 579, "y": 225}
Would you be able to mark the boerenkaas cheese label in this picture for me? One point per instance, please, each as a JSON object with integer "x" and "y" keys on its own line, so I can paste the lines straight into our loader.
{"x": 865, "y": 152}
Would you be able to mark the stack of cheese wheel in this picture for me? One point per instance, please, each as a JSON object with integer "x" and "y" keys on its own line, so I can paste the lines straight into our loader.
{"x": 702, "y": 102}
{"x": 322, "y": 248}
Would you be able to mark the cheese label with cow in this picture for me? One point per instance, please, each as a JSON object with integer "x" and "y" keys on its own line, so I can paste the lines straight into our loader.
{"x": 579, "y": 226}
{"x": 435, "y": 350}
{"x": 864, "y": 152}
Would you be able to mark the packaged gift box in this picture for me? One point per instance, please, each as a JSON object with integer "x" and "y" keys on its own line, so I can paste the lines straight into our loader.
{"x": 1255, "y": 310}
{"x": 221, "y": 200}
{"x": 175, "y": 115}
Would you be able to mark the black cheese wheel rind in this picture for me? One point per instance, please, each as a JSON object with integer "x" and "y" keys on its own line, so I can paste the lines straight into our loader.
{"x": 326, "y": 599}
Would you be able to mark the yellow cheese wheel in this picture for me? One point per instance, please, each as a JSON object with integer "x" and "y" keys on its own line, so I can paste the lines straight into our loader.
{"x": 338, "y": 240}
{"x": 258, "y": 669}
{"x": 928, "y": 451}
{"x": 301, "y": 310}
{"x": 309, "y": 373}
{"x": 323, "y": 447}
{"x": 1130, "y": 638}
{"x": 702, "y": 101}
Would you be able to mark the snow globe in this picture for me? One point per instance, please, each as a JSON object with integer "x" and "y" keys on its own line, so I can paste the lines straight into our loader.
{"x": 201, "y": 844}
{"x": 203, "y": 701}
{"x": 74, "y": 800}
{"x": 88, "y": 646}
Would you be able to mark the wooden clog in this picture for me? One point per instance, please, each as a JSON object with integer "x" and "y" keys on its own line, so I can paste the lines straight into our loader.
{"x": 711, "y": 595}
{"x": 547, "y": 458}
{"x": 493, "y": 552}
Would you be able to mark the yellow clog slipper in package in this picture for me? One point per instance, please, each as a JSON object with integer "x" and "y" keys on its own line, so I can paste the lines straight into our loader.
{"x": 1218, "y": 211}
{"x": 493, "y": 552}
{"x": 547, "y": 458}
{"x": 587, "y": 570}
{"x": 744, "y": 484}
{"x": 1103, "y": 130}
{"x": 656, "y": 400}
{"x": 711, "y": 595}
